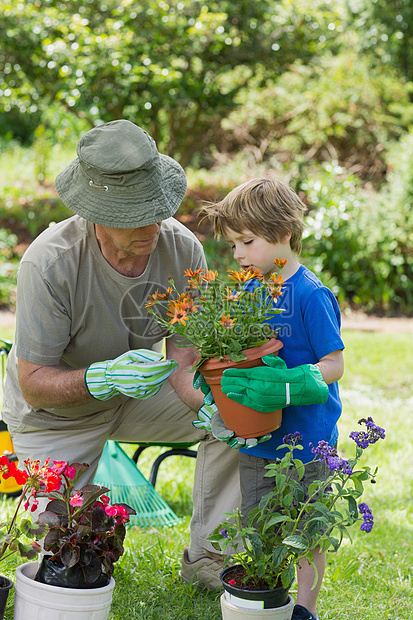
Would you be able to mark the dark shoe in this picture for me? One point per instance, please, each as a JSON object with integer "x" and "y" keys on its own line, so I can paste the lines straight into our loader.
{"x": 302, "y": 613}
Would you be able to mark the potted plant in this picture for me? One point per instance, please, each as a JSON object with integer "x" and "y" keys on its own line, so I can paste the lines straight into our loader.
{"x": 83, "y": 538}
{"x": 227, "y": 326}
{"x": 287, "y": 526}
{"x": 18, "y": 534}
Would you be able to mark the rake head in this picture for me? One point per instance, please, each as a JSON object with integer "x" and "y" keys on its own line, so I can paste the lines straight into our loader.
{"x": 127, "y": 485}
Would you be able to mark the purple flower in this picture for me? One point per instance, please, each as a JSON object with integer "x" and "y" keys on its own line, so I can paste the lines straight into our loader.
{"x": 367, "y": 515}
{"x": 328, "y": 455}
{"x": 371, "y": 435}
{"x": 224, "y": 533}
{"x": 292, "y": 439}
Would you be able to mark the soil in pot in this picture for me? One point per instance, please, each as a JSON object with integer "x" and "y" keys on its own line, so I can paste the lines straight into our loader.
{"x": 238, "y": 575}
{"x": 241, "y": 591}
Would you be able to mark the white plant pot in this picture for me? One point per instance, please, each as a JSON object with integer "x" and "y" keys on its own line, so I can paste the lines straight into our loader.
{"x": 39, "y": 601}
{"x": 232, "y": 612}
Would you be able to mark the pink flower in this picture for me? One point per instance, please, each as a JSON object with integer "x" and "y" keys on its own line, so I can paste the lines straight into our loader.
{"x": 111, "y": 511}
{"x": 70, "y": 472}
{"x": 76, "y": 500}
{"x": 104, "y": 499}
{"x": 122, "y": 514}
{"x": 58, "y": 466}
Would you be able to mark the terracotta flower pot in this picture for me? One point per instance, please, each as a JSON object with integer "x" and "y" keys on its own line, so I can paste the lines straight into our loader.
{"x": 245, "y": 422}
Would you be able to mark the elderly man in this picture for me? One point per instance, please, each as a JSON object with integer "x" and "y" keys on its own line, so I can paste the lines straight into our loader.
{"x": 84, "y": 367}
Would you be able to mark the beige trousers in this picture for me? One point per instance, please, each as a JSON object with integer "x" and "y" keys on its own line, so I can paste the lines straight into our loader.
{"x": 161, "y": 418}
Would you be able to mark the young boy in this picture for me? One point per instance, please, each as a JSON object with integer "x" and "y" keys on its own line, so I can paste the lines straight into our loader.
{"x": 263, "y": 220}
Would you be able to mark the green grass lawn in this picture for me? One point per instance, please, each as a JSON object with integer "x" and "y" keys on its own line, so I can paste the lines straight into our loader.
{"x": 370, "y": 579}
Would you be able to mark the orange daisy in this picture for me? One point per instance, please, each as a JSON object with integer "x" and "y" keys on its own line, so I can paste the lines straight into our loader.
{"x": 193, "y": 274}
{"x": 277, "y": 280}
{"x": 280, "y": 262}
{"x": 232, "y": 295}
{"x": 225, "y": 321}
{"x": 275, "y": 292}
{"x": 210, "y": 275}
{"x": 177, "y": 312}
{"x": 244, "y": 276}
{"x": 158, "y": 297}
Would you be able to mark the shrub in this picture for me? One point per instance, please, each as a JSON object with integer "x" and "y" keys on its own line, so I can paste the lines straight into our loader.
{"x": 359, "y": 243}
{"x": 8, "y": 267}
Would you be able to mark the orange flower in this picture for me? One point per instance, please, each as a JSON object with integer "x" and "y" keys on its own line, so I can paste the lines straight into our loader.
{"x": 210, "y": 276}
{"x": 232, "y": 295}
{"x": 177, "y": 312}
{"x": 244, "y": 276}
{"x": 275, "y": 292}
{"x": 280, "y": 262}
{"x": 193, "y": 274}
{"x": 158, "y": 297}
{"x": 227, "y": 322}
{"x": 187, "y": 305}
{"x": 277, "y": 280}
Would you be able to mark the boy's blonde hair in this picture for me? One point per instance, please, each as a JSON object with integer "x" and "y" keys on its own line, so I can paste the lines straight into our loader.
{"x": 268, "y": 208}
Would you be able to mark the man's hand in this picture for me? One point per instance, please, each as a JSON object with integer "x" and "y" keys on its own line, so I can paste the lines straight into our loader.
{"x": 137, "y": 374}
{"x": 274, "y": 386}
{"x": 209, "y": 419}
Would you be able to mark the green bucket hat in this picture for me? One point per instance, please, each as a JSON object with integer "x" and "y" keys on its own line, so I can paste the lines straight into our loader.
{"x": 120, "y": 180}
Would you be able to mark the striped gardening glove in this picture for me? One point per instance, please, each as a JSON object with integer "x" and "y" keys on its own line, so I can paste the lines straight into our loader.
{"x": 210, "y": 419}
{"x": 137, "y": 374}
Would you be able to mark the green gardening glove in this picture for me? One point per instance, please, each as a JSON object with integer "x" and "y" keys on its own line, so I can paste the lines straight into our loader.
{"x": 210, "y": 420}
{"x": 274, "y": 386}
{"x": 137, "y": 374}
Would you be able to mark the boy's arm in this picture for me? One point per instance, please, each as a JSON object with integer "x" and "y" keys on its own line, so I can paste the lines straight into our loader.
{"x": 331, "y": 366}
{"x": 274, "y": 386}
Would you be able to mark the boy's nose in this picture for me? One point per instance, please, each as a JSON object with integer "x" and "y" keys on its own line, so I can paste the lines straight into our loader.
{"x": 237, "y": 254}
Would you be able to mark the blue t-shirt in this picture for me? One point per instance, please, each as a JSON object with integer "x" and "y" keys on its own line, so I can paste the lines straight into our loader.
{"x": 309, "y": 328}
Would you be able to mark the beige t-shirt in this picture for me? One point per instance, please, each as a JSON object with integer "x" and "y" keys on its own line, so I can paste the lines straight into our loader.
{"x": 73, "y": 307}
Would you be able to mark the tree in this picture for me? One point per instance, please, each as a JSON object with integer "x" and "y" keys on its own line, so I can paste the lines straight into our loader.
{"x": 387, "y": 27}
{"x": 174, "y": 66}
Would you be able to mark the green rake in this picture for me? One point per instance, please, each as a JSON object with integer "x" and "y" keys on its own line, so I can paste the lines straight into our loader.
{"x": 127, "y": 485}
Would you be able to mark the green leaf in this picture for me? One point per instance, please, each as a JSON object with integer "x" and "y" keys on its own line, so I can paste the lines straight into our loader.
{"x": 278, "y": 556}
{"x": 324, "y": 544}
{"x": 37, "y": 529}
{"x": 275, "y": 519}
{"x": 287, "y": 576}
{"x": 334, "y": 542}
{"x": 256, "y": 545}
{"x": 300, "y": 468}
{"x": 253, "y": 515}
{"x": 280, "y": 481}
{"x": 352, "y": 507}
{"x": 295, "y": 541}
{"x": 29, "y": 550}
{"x": 288, "y": 500}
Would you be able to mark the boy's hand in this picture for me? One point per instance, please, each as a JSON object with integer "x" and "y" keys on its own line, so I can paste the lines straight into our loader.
{"x": 210, "y": 420}
{"x": 274, "y": 386}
